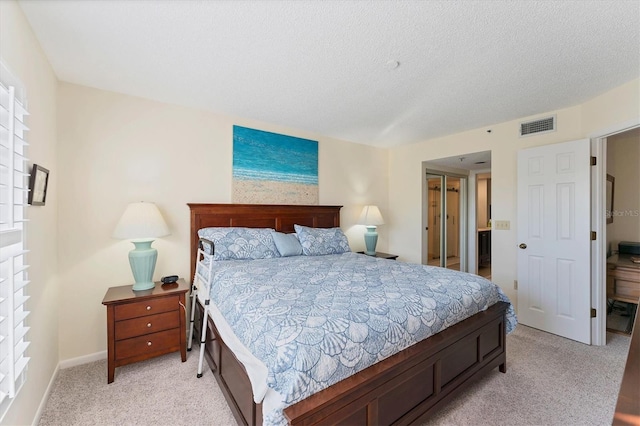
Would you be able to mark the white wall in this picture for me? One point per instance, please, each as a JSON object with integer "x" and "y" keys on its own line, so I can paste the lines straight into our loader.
{"x": 24, "y": 57}
{"x": 115, "y": 149}
{"x": 623, "y": 163}
{"x": 405, "y": 178}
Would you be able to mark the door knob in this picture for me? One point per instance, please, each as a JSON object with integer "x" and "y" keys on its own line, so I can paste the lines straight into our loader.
{"x": 522, "y": 246}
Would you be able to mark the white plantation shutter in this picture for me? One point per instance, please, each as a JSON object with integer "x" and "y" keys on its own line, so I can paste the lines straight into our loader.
{"x": 14, "y": 178}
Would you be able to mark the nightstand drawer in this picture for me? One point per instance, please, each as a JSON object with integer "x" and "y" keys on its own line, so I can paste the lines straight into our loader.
{"x": 147, "y": 344}
{"x": 146, "y": 325}
{"x": 146, "y": 307}
{"x": 624, "y": 288}
{"x": 624, "y": 274}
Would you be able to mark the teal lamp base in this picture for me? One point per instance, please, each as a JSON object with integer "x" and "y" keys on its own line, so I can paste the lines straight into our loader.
{"x": 370, "y": 240}
{"x": 143, "y": 262}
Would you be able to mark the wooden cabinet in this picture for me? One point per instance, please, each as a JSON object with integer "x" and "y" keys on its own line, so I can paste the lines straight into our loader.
{"x": 484, "y": 248}
{"x": 144, "y": 324}
{"x": 628, "y": 405}
{"x": 623, "y": 279}
{"x": 623, "y": 284}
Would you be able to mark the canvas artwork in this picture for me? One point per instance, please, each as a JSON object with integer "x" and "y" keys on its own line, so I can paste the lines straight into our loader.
{"x": 270, "y": 168}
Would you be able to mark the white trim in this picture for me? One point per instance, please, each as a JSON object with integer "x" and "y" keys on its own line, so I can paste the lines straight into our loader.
{"x": 424, "y": 233}
{"x": 598, "y": 224}
{"x": 14, "y": 340}
{"x": 472, "y": 220}
{"x": 85, "y": 359}
{"x": 598, "y": 247}
{"x": 463, "y": 225}
{"x": 472, "y": 223}
{"x": 618, "y": 128}
{"x": 46, "y": 396}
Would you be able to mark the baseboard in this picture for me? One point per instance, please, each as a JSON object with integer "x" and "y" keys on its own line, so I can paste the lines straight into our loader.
{"x": 45, "y": 397}
{"x": 85, "y": 359}
{"x": 61, "y": 366}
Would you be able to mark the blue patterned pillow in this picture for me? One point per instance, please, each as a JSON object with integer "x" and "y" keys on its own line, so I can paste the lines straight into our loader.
{"x": 287, "y": 244}
{"x": 321, "y": 241}
{"x": 241, "y": 243}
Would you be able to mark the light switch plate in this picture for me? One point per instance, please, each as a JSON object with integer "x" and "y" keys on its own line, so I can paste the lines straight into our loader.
{"x": 502, "y": 225}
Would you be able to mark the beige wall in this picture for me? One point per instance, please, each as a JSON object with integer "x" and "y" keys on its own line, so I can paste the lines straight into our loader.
{"x": 607, "y": 110}
{"x": 623, "y": 163}
{"x": 105, "y": 150}
{"x": 619, "y": 105}
{"x": 115, "y": 149}
{"x": 23, "y": 56}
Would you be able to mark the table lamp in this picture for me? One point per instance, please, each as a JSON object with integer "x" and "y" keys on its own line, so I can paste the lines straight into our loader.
{"x": 370, "y": 218}
{"x": 141, "y": 223}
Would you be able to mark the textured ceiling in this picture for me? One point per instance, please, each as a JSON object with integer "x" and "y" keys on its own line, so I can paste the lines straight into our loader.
{"x": 324, "y": 66}
{"x": 470, "y": 161}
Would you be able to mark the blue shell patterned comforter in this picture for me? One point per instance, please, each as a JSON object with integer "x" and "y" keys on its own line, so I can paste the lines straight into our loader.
{"x": 315, "y": 320}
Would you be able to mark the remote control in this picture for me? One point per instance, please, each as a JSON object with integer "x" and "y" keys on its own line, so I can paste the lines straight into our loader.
{"x": 169, "y": 279}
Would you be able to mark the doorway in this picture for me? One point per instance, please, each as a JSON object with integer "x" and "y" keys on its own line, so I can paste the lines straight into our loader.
{"x": 483, "y": 216}
{"x": 622, "y": 225}
{"x": 450, "y": 212}
{"x": 444, "y": 220}
{"x": 599, "y": 145}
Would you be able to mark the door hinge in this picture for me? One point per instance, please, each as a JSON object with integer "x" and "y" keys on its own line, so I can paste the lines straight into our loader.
{"x": 593, "y": 235}
{"x": 594, "y": 161}
{"x": 593, "y": 312}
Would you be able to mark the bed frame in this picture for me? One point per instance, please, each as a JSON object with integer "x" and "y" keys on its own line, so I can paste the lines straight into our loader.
{"x": 402, "y": 389}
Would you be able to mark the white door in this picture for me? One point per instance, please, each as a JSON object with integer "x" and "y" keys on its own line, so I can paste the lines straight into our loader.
{"x": 554, "y": 272}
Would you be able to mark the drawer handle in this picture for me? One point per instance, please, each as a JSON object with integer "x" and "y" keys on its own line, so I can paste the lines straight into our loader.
{"x": 148, "y": 325}
{"x": 148, "y": 343}
{"x": 148, "y": 308}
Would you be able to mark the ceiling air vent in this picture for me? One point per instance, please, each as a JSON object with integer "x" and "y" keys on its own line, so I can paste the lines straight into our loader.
{"x": 543, "y": 125}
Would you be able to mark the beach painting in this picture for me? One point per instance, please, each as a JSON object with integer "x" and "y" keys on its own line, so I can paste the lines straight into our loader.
{"x": 270, "y": 168}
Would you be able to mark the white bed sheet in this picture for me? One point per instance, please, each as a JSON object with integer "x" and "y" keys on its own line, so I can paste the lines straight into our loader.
{"x": 256, "y": 370}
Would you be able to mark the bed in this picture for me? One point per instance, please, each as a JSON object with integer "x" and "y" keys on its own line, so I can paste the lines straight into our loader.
{"x": 402, "y": 388}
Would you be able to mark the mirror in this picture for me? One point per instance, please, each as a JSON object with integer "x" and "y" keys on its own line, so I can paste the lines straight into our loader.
{"x": 609, "y": 205}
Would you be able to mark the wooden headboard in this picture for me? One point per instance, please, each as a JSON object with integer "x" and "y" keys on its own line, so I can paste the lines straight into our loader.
{"x": 280, "y": 217}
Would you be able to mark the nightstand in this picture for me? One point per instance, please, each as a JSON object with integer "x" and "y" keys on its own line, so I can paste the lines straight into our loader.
{"x": 383, "y": 255}
{"x": 145, "y": 324}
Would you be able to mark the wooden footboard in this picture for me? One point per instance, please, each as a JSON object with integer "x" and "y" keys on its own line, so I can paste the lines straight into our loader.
{"x": 230, "y": 375}
{"x": 403, "y": 389}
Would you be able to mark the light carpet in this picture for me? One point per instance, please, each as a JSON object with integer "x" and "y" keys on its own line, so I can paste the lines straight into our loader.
{"x": 549, "y": 381}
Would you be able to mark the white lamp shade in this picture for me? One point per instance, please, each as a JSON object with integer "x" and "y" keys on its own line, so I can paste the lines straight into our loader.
{"x": 371, "y": 216}
{"x": 141, "y": 221}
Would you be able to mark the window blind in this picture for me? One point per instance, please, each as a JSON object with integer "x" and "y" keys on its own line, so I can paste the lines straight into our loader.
{"x": 14, "y": 177}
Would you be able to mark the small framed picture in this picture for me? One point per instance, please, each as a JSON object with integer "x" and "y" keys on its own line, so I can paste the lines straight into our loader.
{"x": 38, "y": 185}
